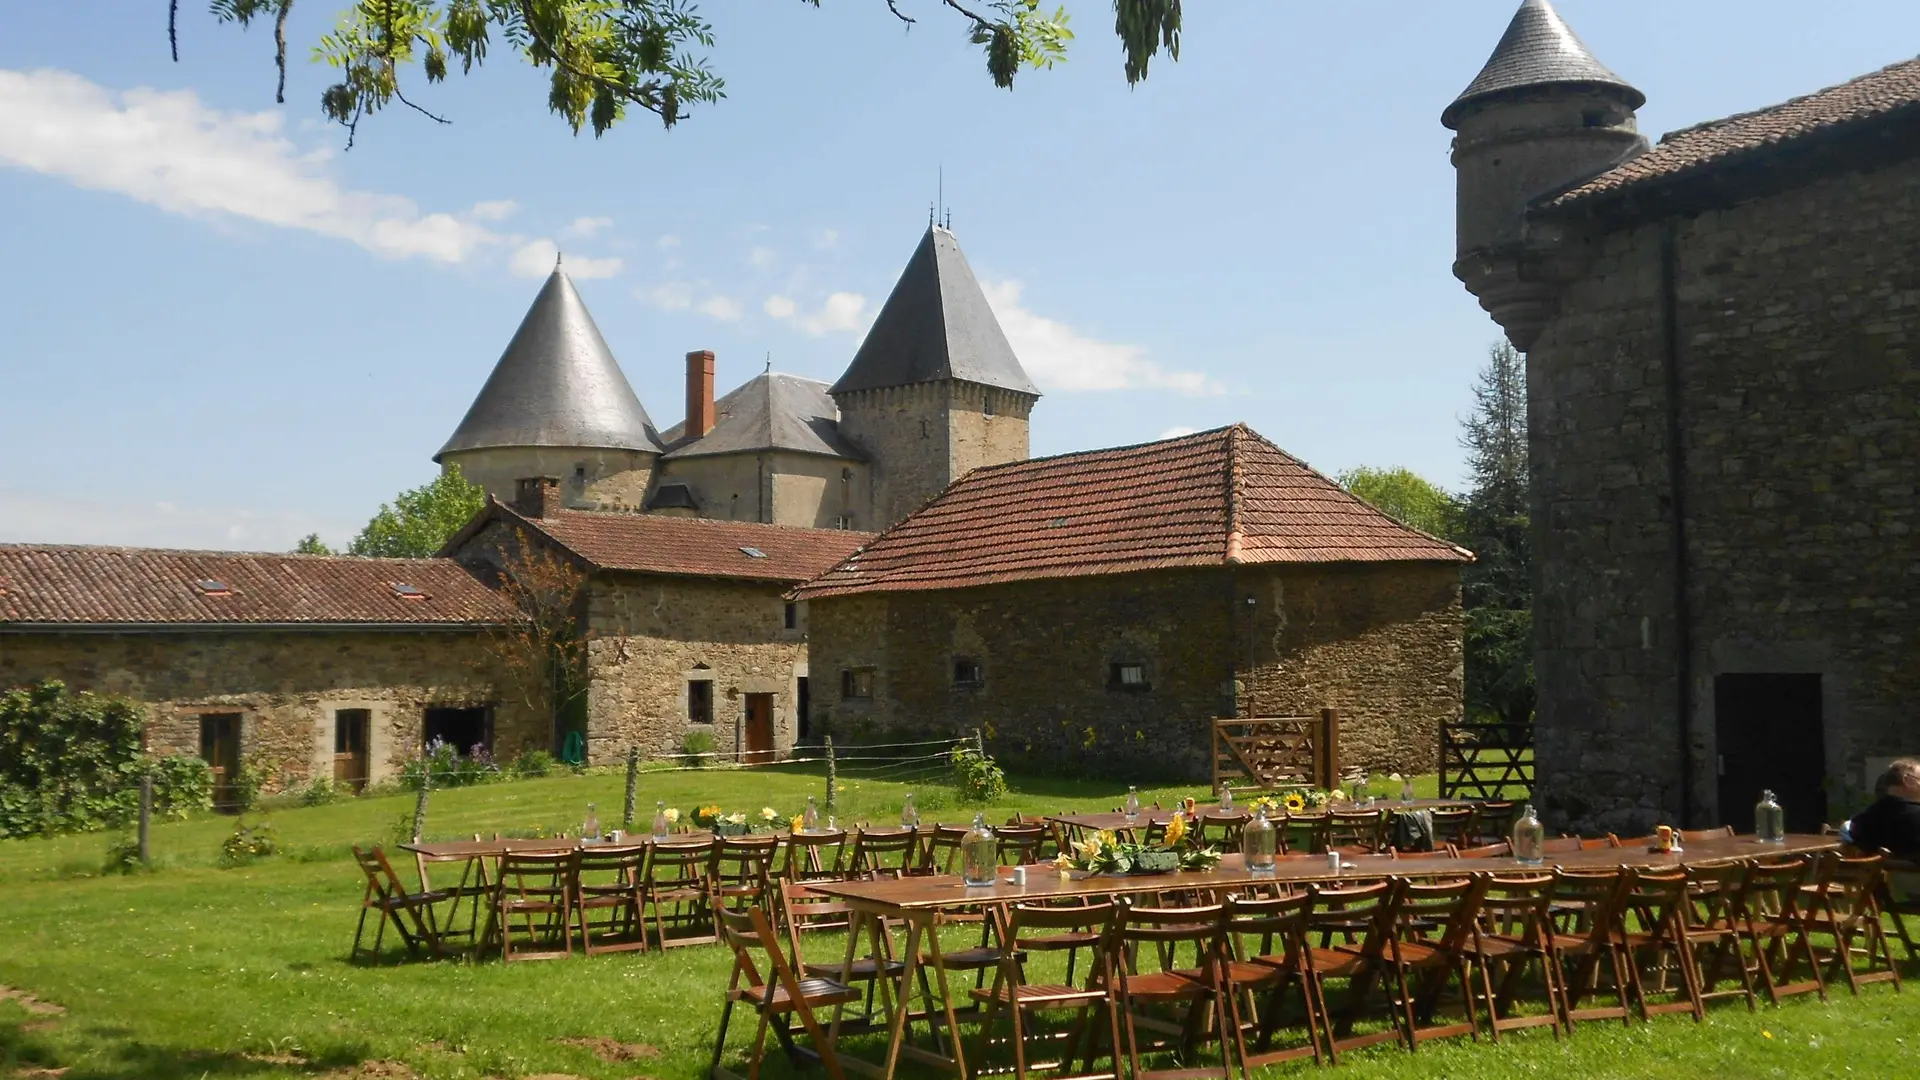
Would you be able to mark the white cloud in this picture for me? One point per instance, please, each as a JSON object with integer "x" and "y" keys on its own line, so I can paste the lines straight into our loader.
{"x": 667, "y": 242}
{"x": 494, "y": 210}
{"x": 37, "y": 517}
{"x": 672, "y": 296}
{"x": 1061, "y": 358}
{"x": 780, "y": 307}
{"x": 839, "y": 312}
{"x": 1176, "y": 432}
{"x": 760, "y": 257}
{"x": 824, "y": 239}
{"x": 535, "y": 259}
{"x": 587, "y": 226}
{"x": 165, "y": 148}
{"x": 724, "y": 308}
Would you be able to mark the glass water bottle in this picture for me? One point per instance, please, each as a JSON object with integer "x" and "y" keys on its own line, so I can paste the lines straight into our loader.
{"x": 979, "y": 853}
{"x": 1529, "y": 838}
{"x": 1406, "y": 791}
{"x": 661, "y": 826}
{"x": 1260, "y": 842}
{"x": 1226, "y": 797}
{"x": 1132, "y": 807}
{"x": 1769, "y": 821}
{"x": 590, "y": 829}
{"x": 909, "y": 816}
{"x": 810, "y": 819}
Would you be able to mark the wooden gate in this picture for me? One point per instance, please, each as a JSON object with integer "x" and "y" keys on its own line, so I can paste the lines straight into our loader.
{"x": 1277, "y": 751}
{"x": 1480, "y": 758}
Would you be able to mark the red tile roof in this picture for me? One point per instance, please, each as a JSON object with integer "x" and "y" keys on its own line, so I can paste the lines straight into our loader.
{"x": 1706, "y": 146}
{"x": 694, "y": 547}
{"x": 1220, "y": 497}
{"x": 60, "y": 585}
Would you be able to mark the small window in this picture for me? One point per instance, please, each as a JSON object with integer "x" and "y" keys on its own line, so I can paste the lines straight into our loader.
{"x": 700, "y": 701}
{"x": 856, "y": 683}
{"x": 213, "y": 587}
{"x": 966, "y": 671}
{"x": 1594, "y": 118}
{"x": 986, "y": 408}
{"x": 923, "y": 429}
{"x": 846, "y": 474}
{"x": 408, "y": 592}
{"x": 1128, "y": 677}
{"x": 753, "y": 553}
{"x": 580, "y": 473}
{"x": 843, "y": 521}
{"x": 792, "y": 621}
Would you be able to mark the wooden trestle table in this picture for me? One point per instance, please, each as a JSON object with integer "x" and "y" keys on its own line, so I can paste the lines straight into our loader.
{"x": 919, "y": 902}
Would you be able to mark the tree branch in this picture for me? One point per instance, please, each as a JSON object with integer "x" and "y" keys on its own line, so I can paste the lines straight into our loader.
{"x": 978, "y": 20}
{"x": 173, "y": 28}
{"x": 279, "y": 50}
{"x": 403, "y": 100}
{"x": 892, "y": 5}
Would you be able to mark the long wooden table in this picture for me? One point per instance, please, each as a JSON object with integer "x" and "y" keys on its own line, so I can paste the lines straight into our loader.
{"x": 1161, "y": 815}
{"x": 919, "y": 903}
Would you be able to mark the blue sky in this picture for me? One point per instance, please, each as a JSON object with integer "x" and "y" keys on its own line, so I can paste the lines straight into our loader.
{"x": 219, "y": 330}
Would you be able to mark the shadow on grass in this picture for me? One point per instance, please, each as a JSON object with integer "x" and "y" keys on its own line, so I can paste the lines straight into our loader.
{"x": 30, "y": 1047}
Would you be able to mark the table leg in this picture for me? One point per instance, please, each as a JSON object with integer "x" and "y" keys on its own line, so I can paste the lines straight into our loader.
{"x": 898, "y": 1014}
{"x": 939, "y": 958}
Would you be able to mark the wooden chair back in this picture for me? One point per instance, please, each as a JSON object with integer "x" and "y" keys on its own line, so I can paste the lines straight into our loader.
{"x": 1494, "y": 820}
{"x": 1221, "y": 829}
{"x": 1500, "y": 850}
{"x": 1344, "y": 909}
{"x": 1688, "y": 836}
{"x": 1267, "y": 926}
{"x": 530, "y": 884}
{"x": 606, "y": 897}
{"x": 883, "y": 852}
{"x": 940, "y": 854}
{"x": 1561, "y": 845}
{"x": 802, "y": 910}
{"x": 1023, "y": 845}
{"x": 815, "y": 856}
{"x": 1454, "y": 826}
{"x": 1357, "y": 830}
{"x": 765, "y": 979}
{"x": 741, "y": 871}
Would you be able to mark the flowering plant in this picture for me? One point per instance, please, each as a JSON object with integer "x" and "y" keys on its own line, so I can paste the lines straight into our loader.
{"x": 1300, "y": 801}
{"x": 1106, "y": 853}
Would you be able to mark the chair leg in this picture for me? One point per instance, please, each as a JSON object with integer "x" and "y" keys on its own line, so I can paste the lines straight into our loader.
{"x": 720, "y": 1038}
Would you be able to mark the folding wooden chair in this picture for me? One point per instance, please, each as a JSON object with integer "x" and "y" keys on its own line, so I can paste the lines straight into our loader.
{"x": 805, "y": 911}
{"x": 1714, "y": 903}
{"x": 411, "y": 913}
{"x": 1500, "y": 850}
{"x": 1356, "y": 832}
{"x": 1843, "y": 903}
{"x": 1774, "y": 929}
{"x": 1023, "y": 844}
{"x": 1899, "y": 898}
{"x": 1657, "y": 901}
{"x": 1160, "y": 931}
{"x": 1361, "y": 963}
{"x": 1584, "y": 909}
{"x": 1493, "y": 821}
{"x": 940, "y": 854}
{"x": 815, "y": 856}
{"x": 1515, "y": 931}
{"x": 606, "y": 898}
{"x": 674, "y": 892}
{"x": 1032, "y": 929}
{"x": 1566, "y": 845}
{"x": 764, "y": 980}
{"x": 1433, "y": 922}
{"x": 1221, "y": 830}
{"x": 537, "y": 886}
{"x": 1454, "y": 826}
{"x": 883, "y": 852}
{"x": 1267, "y": 956}
{"x": 741, "y": 872}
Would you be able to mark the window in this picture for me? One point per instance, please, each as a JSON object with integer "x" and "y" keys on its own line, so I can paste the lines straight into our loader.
{"x": 923, "y": 429}
{"x": 966, "y": 671}
{"x": 856, "y": 683}
{"x": 700, "y": 701}
{"x": 1128, "y": 677}
{"x": 843, "y": 521}
{"x": 579, "y": 474}
{"x": 213, "y": 587}
{"x": 986, "y": 407}
{"x": 792, "y": 616}
{"x": 408, "y": 592}
{"x": 753, "y": 553}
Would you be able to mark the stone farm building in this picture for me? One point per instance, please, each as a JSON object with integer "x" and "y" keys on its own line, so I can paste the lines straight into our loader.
{"x": 1720, "y": 333}
{"x": 688, "y": 624}
{"x": 308, "y": 666}
{"x": 1094, "y": 612}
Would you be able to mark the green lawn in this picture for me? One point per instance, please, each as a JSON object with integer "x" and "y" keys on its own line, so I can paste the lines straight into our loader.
{"x": 195, "y": 971}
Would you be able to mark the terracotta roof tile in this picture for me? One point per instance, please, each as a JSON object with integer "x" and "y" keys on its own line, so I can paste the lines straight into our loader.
{"x": 697, "y": 547}
{"x": 47, "y": 584}
{"x": 1218, "y": 497}
{"x": 1705, "y": 146}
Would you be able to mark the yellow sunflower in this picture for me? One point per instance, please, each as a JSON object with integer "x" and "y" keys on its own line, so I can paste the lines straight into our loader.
{"x": 1176, "y": 829}
{"x": 1294, "y": 802}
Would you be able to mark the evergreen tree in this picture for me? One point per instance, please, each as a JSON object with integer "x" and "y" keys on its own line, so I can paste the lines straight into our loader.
{"x": 1495, "y": 521}
{"x": 420, "y": 521}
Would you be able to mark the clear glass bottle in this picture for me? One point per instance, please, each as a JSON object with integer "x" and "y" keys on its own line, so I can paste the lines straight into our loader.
{"x": 810, "y": 819}
{"x": 1769, "y": 820}
{"x": 1406, "y": 791}
{"x": 1529, "y": 838}
{"x": 661, "y": 826}
{"x": 979, "y": 853}
{"x": 909, "y": 815}
{"x": 1260, "y": 842}
{"x": 1131, "y": 808}
{"x": 590, "y": 829}
{"x": 1226, "y": 796}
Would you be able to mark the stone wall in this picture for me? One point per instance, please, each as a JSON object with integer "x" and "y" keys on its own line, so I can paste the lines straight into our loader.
{"x": 651, "y": 635}
{"x": 1797, "y": 316}
{"x": 923, "y": 437}
{"x": 590, "y": 479}
{"x": 1381, "y": 643}
{"x": 287, "y": 687}
{"x": 988, "y": 425}
{"x": 780, "y": 487}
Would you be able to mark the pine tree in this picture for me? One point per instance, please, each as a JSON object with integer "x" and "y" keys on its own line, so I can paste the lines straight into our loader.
{"x": 1498, "y": 586}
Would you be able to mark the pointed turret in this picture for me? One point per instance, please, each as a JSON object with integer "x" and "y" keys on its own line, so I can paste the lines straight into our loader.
{"x": 1539, "y": 49}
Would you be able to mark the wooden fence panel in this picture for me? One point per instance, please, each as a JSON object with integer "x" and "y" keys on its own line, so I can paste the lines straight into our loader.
{"x": 1478, "y": 758}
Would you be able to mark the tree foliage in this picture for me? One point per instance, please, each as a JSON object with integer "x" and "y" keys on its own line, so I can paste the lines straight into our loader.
{"x": 606, "y": 57}
{"x": 1495, "y": 522}
{"x": 311, "y": 544}
{"x": 420, "y": 521}
{"x": 73, "y": 762}
{"x": 1407, "y": 497}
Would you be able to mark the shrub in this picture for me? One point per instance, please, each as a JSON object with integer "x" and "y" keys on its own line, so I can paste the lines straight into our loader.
{"x": 123, "y": 855}
{"x": 977, "y": 778}
{"x": 248, "y": 842}
{"x": 696, "y": 743}
{"x": 68, "y": 762}
{"x": 182, "y": 783}
{"x": 533, "y": 764}
{"x": 321, "y": 792}
{"x": 244, "y": 790}
{"x": 449, "y": 768}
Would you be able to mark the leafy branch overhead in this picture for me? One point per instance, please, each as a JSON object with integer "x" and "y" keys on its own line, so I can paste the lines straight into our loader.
{"x": 607, "y": 57}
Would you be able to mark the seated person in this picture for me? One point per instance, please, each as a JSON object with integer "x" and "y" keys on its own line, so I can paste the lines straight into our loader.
{"x": 1892, "y": 823}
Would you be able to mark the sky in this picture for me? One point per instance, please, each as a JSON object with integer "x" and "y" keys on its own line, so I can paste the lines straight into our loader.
{"x": 220, "y": 328}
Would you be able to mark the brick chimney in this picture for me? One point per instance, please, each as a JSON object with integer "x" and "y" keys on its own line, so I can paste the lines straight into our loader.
{"x": 699, "y": 393}
{"x": 537, "y": 496}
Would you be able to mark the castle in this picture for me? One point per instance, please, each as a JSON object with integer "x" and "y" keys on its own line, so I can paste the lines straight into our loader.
{"x": 1719, "y": 334}
{"x": 933, "y": 392}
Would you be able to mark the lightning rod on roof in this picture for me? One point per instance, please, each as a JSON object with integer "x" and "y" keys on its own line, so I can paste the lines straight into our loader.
{"x": 556, "y": 259}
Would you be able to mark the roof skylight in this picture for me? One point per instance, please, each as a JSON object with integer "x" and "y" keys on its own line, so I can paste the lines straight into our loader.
{"x": 213, "y": 586}
{"x": 753, "y": 553}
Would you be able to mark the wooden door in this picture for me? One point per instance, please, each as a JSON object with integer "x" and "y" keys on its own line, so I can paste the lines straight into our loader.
{"x": 220, "y": 749}
{"x": 350, "y": 731}
{"x": 1769, "y": 733}
{"x": 759, "y": 738}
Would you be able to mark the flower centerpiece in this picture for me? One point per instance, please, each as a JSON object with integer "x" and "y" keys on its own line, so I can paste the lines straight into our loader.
{"x": 1299, "y": 801}
{"x": 1106, "y": 853}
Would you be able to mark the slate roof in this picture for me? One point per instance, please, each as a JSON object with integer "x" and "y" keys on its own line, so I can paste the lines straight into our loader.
{"x": 55, "y": 586}
{"x": 936, "y": 324}
{"x": 1892, "y": 91}
{"x": 1538, "y": 49}
{"x": 557, "y": 384}
{"x": 690, "y": 547}
{"x": 773, "y": 411}
{"x": 1218, "y": 498}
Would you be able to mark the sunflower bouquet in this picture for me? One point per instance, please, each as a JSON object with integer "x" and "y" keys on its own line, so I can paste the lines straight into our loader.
{"x": 1302, "y": 801}
{"x": 1106, "y": 853}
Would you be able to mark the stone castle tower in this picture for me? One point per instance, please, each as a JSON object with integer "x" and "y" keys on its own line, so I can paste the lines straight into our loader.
{"x": 935, "y": 389}
{"x": 1542, "y": 116}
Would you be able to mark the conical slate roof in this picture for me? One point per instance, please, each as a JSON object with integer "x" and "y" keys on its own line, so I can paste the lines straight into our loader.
{"x": 1538, "y": 49}
{"x": 556, "y": 385}
{"x": 771, "y": 411}
{"x": 936, "y": 324}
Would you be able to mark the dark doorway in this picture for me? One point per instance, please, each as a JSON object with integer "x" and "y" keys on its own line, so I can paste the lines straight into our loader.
{"x": 461, "y": 728}
{"x": 220, "y": 749}
{"x": 1770, "y": 735}
{"x": 804, "y": 702}
{"x": 350, "y": 730}
{"x": 759, "y": 740}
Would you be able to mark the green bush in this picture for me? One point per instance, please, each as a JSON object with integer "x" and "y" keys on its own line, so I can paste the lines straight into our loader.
{"x": 248, "y": 842}
{"x": 72, "y": 763}
{"x": 449, "y": 767}
{"x": 696, "y": 743}
{"x": 321, "y": 792}
{"x": 977, "y": 778}
{"x": 182, "y": 783}
{"x": 533, "y": 764}
{"x": 123, "y": 856}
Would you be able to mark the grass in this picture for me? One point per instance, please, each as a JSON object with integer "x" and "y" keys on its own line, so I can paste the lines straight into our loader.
{"x": 197, "y": 972}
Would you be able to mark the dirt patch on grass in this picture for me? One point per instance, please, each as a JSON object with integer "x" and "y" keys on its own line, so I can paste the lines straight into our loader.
{"x": 373, "y": 1070}
{"x": 30, "y": 1003}
{"x": 612, "y": 1050}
